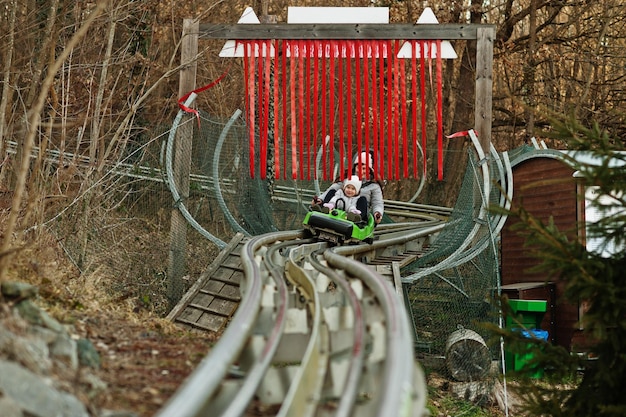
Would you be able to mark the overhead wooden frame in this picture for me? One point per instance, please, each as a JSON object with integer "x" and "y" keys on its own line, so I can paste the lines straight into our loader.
{"x": 484, "y": 35}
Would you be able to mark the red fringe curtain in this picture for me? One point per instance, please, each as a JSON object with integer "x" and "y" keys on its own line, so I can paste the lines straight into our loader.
{"x": 341, "y": 97}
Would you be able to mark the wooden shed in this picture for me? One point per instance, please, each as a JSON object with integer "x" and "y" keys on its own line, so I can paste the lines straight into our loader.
{"x": 544, "y": 184}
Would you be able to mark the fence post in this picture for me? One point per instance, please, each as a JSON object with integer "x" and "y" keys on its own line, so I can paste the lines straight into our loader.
{"x": 485, "y": 37}
{"x": 181, "y": 166}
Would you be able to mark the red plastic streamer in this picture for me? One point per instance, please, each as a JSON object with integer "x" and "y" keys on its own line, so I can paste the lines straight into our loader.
{"x": 439, "y": 114}
{"x": 331, "y": 112}
{"x": 358, "y": 86}
{"x": 381, "y": 103}
{"x": 366, "y": 105}
{"x": 260, "y": 105}
{"x": 292, "y": 91}
{"x": 405, "y": 154}
{"x": 181, "y": 101}
{"x": 460, "y": 134}
{"x": 348, "y": 95}
{"x": 375, "y": 52}
{"x": 342, "y": 91}
{"x": 301, "y": 106}
{"x": 284, "y": 91}
{"x": 324, "y": 114}
{"x": 249, "y": 75}
{"x": 266, "y": 108}
{"x": 389, "y": 113}
{"x": 277, "y": 76}
{"x": 309, "y": 57}
{"x": 414, "y": 105}
{"x": 396, "y": 111}
{"x": 316, "y": 89}
{"x": 423, "y": 101}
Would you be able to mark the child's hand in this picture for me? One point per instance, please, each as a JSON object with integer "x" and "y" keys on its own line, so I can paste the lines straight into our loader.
{"x": 378, "y": 217}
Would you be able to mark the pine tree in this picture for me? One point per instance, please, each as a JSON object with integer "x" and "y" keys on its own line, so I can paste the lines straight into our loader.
{"x": 592, "y": 384}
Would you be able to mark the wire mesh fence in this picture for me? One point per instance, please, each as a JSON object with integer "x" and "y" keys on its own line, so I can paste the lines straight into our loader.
{"x": 451, "y": 289}
{"x": 119, "y": 224}
{"x": 116, "y": 224}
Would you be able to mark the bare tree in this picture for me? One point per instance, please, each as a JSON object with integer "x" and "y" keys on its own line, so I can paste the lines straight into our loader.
{"x": 34, "y": 120}
{"x": 7, "y": 52}
{"x": 561, "y": 56}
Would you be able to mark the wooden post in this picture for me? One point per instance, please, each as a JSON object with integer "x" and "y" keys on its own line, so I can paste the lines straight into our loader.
{"x": 181, "y": 165}
{"x": 484, "y": 85}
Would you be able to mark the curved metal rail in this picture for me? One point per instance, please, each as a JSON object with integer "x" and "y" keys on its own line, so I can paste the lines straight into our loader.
{"x": 316, "y": 333}
{"x": 357, "y": 351}
{"x": 194, "y": 398}
{"x": 172, "y": 183}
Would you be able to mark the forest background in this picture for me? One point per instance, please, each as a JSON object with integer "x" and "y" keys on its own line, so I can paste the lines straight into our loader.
{"x": 100, "y": 80}
{"x": 87, "y": 87}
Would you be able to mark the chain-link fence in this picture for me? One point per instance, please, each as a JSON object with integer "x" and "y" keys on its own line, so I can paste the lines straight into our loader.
{"x": 119, "y": 225}
{"x": 451, "y": 291}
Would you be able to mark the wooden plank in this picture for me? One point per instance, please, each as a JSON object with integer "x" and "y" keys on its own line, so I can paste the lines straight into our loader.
{"x": 402, "y": 259}
{"x": 222, "y": 307}
{"x": 224, "y": 274}
{"x": 236, "y": 277}
{"x": 206, "y": 323}
{"x": 339, "y": 31}
{"x": 190, "y": 315}
{"x": 211, "y": 322}
{"x": 228, "y": 275}
{"x": 233, "y": 245}
{"x": 202, "y": 299}
{"x": 232, "y": 261}
{"x": 212, "y": 287}
{"x": 233, "y": 296}
{"x": 219, "y": 309}
{"x": 229, "y": 292}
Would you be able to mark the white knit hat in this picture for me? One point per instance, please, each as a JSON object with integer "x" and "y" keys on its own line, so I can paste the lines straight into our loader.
{"x": 365, "y": 158}
{"x": 354, "y": 181}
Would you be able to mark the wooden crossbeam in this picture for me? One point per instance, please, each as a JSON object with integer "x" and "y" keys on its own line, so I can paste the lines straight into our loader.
{"x": 340, "y": 31}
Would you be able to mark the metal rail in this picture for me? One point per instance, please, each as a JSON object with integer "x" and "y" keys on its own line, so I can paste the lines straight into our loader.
{"x": 356, "y": 361}
{"x": 316, "y": 333}
{"x": 194, "y": 398}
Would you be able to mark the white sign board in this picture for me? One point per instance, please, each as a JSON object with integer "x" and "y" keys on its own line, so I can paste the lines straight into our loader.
{"x": 312, "y": 15}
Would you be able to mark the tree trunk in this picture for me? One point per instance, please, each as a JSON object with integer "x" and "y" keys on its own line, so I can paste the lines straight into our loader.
{"x": 462, "y": 118}
{"x": 8, "y": 59}
{"x": 530, "y": 70}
